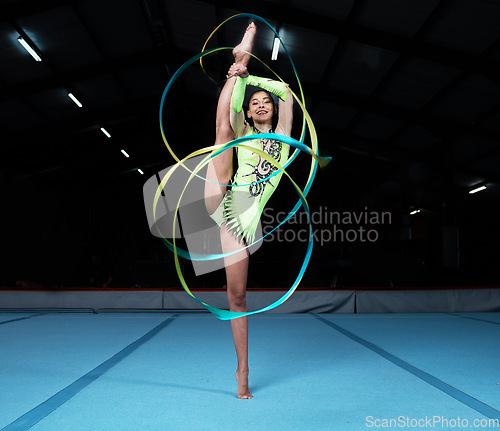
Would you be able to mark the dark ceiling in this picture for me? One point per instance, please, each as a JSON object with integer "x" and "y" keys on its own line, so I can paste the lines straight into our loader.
{"x": 405, "y": 95}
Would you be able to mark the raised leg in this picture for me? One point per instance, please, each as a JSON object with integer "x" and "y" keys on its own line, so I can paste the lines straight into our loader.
{"x": 236, "y": 273}
{"x": 242, "y": 52}
{"x": 220, "y": 168}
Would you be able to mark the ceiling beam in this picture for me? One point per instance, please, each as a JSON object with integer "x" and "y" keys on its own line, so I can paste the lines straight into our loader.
{"x": 99, "y": 49}
{"x": 314, "y": 22}
{"x": 395, "y": 67}
{"x": 439, "y": 126}
{"x": 337, "y": 51}
{"x": 21, "y": 9}
{"x": 58, "y": 79}
{"x": 369, "y": 36}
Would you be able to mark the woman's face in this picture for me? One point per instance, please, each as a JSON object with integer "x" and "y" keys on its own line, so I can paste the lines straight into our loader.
{"x": 261, "y": 108}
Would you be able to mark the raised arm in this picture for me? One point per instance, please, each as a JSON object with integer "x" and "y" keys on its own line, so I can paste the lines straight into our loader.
{"x": 277, "y": 88}
{"x": 285, "y": 120}
{"x": 285, "y": 104}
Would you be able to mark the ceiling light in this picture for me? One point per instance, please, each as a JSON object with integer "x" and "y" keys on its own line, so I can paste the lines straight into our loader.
{"x": 477, "y": 189}
{"x": 74, "y": 99}
{"x": 140, "y": 171}
{"x": 125, "y": 153}
{"x": 415, "y": 212}
{"x": 276, "y": 48}
{"x": 29, "y": 48}
{"x": 103, "y": 130}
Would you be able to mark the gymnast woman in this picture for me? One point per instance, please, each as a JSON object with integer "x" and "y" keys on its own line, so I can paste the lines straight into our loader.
{"x": 237, "y": 210}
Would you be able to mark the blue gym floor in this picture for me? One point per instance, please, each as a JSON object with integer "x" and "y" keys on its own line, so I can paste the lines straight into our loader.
{"x": 152, "y": 371}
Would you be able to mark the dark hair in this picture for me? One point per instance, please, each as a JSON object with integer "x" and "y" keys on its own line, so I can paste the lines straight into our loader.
{"x": 247, "y": 107}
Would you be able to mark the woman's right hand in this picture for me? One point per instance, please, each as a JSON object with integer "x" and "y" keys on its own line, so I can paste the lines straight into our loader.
{"x": 237, "y": 70}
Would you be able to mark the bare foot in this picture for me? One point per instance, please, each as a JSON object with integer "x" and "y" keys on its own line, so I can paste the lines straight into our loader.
{"x": 241, "y": 52}
{"x": 242, "y": 379}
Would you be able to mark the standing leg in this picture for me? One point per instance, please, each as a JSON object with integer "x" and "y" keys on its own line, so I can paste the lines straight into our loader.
{"x": 237, "y": 264}
{"x": 236, "y": 273}
{"x": 220, "y": 171}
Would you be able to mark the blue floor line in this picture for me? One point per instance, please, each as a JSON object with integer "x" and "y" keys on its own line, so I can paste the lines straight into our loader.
{"x": 23, "y": 318}
{"x": 475, "y": 318}
{"x": 35, "y": 415}
{"x": 473, "y": 403}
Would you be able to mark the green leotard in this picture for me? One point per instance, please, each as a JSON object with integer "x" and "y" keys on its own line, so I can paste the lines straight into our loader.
{"x": 242, "y": 206}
